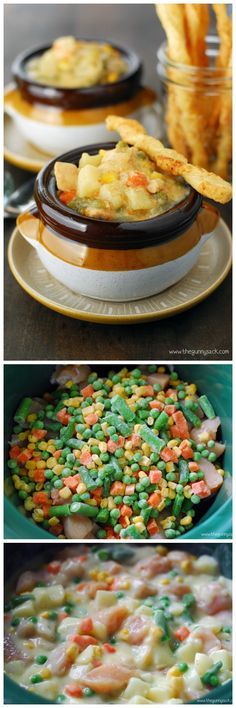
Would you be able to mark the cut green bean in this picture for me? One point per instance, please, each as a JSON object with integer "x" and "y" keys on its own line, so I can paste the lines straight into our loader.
{"x": 183, "y": 472}
{"x": 162, "y": 623}
{"x": 151, "y": 439}
{"x": 190, "y": 416}
{"x": 207, "y": 407}
{"x": 120, "y": 406}
{"x": 23, "y": 410}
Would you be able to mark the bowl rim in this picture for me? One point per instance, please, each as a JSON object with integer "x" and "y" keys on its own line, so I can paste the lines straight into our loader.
{"x": 98, "y": 233}
{"x": 95, "y": 92}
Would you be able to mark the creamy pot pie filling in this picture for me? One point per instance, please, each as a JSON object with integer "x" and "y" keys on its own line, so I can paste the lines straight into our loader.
{"x": 120, "y": 626}
{"x": 71, "y": 63}
{"x": 118, "y": 184}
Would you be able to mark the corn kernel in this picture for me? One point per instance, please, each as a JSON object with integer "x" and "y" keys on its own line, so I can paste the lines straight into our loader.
{"x": 72, "y": 652}
{"x": 65, "y": 493}
{"x": 186, "y": 521}
{"x": 22, "y": 436}
{"x": 46, "y": 673}
{"x": 53, "y": 521}
{"x": 31, "y": 417}
{"x": 51, "y": 448}
{"x": 31, "y": 446}
{"x": 174, "y": 671}
{"x": 29, "y": 504}
{"x": 108, "y": 177}
{"x": 69, "y": 384}
{"x": 103, "y": 503}
{"x": 140, "y": 527}
{"x": 31, "y": 464}
{"x": 136, "y": 519}
{"x": 58, "y": 469}
{"x": 161, "y": 506}
{"x": 91, "y": 502}
{"x": 170, "y": 467}
{"x": 170, "y": 421}
{"x": 191, "y": 389}
{"x": 51, "y": 462}
{"x": 162, "y": 550}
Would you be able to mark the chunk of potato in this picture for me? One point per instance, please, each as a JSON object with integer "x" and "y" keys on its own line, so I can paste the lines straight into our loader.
{"x": 88, "y": 181}
{"x": 104, "y": 598}
{"x": 110, "y": 193}
{"x": 224, "y": 656}
{"x": 138, "y": 198}
{"x": 49, "y": 597}
{"x": 66, "y": 176}
{"x": 25, "y": 610}
{"x": 202, "y": 662}
{"x": 136, "y": 687}
{"x": 87, "y": 159}
{"x": 69, "y": 625}
{"x": 48, "y": 689}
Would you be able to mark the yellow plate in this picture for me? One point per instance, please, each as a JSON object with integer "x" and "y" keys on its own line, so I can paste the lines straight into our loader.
{"x": 209, "y": 272}
{"x": 18, "y": 151}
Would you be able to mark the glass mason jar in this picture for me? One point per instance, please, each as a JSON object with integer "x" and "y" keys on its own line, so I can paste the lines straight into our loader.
{"x": 197, "y": 107}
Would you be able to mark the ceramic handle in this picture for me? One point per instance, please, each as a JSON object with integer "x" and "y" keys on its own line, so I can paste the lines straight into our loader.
{"x": 29, "y": 226}
{"x": 208, "y": 218}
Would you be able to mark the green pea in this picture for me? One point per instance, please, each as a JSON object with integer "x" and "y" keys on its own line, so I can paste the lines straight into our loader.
{"x": 15, "y": 622}
{"x": 119, "y": 452}
{"x": 117, "y": 528}
{"x": 212, "y": 457}
{"x": 195, "y": 499}
{"x": 183, "y": 667}
{"x": 193, "y": 477}
{"x": 36, "y": 678}
{"x": 41, "y": 659}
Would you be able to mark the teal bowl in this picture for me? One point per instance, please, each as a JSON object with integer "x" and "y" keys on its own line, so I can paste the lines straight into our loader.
{"x": 215, "y": 380}
{"x": 15, "y": 560}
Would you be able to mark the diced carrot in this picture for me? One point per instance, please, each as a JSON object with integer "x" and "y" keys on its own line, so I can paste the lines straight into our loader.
{"x": 181, "y": 423}
{"x": 130, "y": 489}
{"x": 72, "y": 482}
{"x": 168, "y": 455}
{"x": 136, "y": 440}
{"x": 63, "y": 416}
{"x": 182, "y": 633}
{"x": 175, "y": 431}
{"x": 45, "y": 508}
{"x": 117, "y": 488}
{"x": 152, "y": 527}
{"x": 24, "y": 456}
{"x": 109, "y": 648}
{"x": 170, "y": 409}
{"x": 66, "y": 197}
{"x": 154, "y": 500}
{"x": 39, "y": 475}
{"x": 97, "y": 493}
{"x": 53, "y": 567}
{"x": 86, "y": 626}
{"x": 155, "y": 476}
{"x": 147, "y": 390}
{"x": 85, "y": 458}
{"x": 201, "y": 489}
{"x": 38, "y": 433}
{"x": 137, "y": 179}
{"x": 112, "y": 445}
{"x": 110, "y": 532}
{"x": 193, "y": 466}
{"x": 87, "y": 391}
{"x": 74, "y": 691}
{"x": 187, "y": 453}
{"x": 156, "y": 404}
{"x": 56, "y": 531}
{"x": 40, "y": 498}
{"x": 124, "y": 521}
{"x": 57, "y": 454}
{"x": 83, "y": 640}
{"x": 91, "y": 419}
{"x": 125, "y": 510}
{"x": 14, "y": 452}
{"x": 169, "y": 392}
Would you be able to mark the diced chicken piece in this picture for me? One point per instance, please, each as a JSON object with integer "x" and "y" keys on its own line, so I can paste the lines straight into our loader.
{"x": 140, "y": 589}
{"x": 178, "y": 589}
{"x": 58, "y": 662}
{"x": 72, "y": 567}
{"x": 218, "y": 449}
{"x": 26, "y": 581}
{"x": 212, "y": 478}
{"x": 26, "y": 629}
{"x": 77, "y": 526}
{"x": 154, "y": 566}
{"x": 162, "y": 379}
{"x": 209, "y": 639}
{"x": 113, "y": 568}
{"x": 74, "y": 373}
{"x": 66, "y": 175}
{"x": 46, "y": 629}
{"x": 92, "y": 587}
{"x": 112, "y": 618}
{"x": 108, "y": 678}
{"x": 134, "y": 630}
{"x": 12, "y": 651}
{"x": 208, "y": 426}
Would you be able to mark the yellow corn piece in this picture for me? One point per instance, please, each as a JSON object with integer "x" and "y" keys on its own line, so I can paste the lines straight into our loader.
{"x": 150, "y": 421}
{"x": 74, "y": 402}
{"x": 136, "y": 519}
{"x": 53, "y": 521}
{"x": 103, "y": 503}
{"x": 191, "y": 389}
{"x": 165, "y": 492}
{"x": 161, "y": 506}
{"x": 186, "y": 521}
{"x": 161, "y": 369}
{"x": 46, "y": 673}
{"x": 42, "y": 446}
{"x": 22, "y": 436}
{"x": 146, "y": 449}
{"x": 170, "y": 421}
{"x": 111, "y": 503}
{"x": 102, "y": 446}
{"x": 29, "y": 504}
{"x": 51, "y": 462}
{"x": 172, "y": 494}
{"x": 172, "y": 485}
{"x": 142, "y": 474}
{"x": 187, "y": 493}
{"x": 140, "y": 527}
{"x": 81, "y": 488}
{"x": 69, "y": 384}
{"x": 91, "y": 502}
{"x": 186, "y": 566}
{"x": 58, "y": 469}
{"x": 177, "y": 686}
{"x": 174, "y": 671}
{"x": 72, "y": 651}
{"x": 31, "y": 418}
{"x": 41, "y": 464}
{"x": 221, "y": 472}
{"x": 38, "y": 488}
{"x": 170, "y": 467}
{"x": 65, "y": 493}
{"x": 108, "y": 177}
{"x": 31, "y": 446}
{"x": 38, "y": 515}
{"x": 51, "y": 448}
{"x": 30, "y": 465}
{"x": 162, "y": 550}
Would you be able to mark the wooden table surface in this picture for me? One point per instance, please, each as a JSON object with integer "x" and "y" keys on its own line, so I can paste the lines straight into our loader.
{"x": 33, "y": 332}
